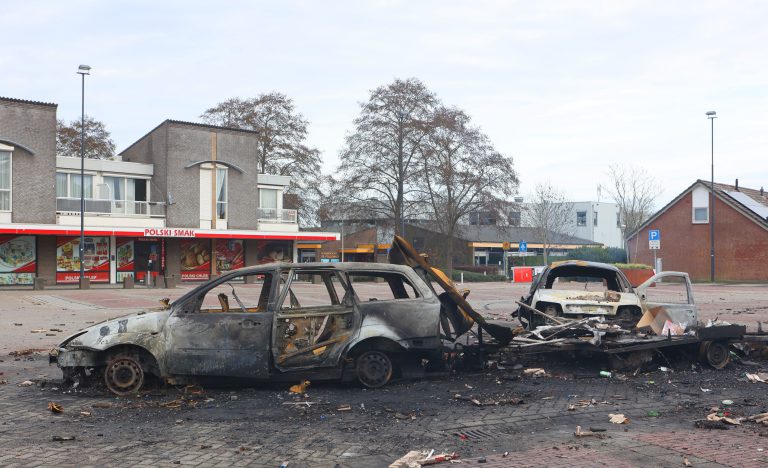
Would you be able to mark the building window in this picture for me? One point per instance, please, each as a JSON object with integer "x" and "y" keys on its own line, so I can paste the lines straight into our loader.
{"x": 618, "y": 220}
{"x": 701, "y": 215}
{"x": 221, "y": 193}
{"x": 5, "y": 181}
{"x": 268, "y": 198}
{"x": 515, "y": 219}
{"x": 68, "y": 185}
{"x": 581, "y": 218}
{"x": 594, "y": 218}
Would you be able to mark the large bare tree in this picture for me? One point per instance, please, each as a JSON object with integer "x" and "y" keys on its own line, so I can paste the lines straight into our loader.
{"x": 282, "y": 147}
{"x": 463, "y": 173}
{"x": 380, "y": 165}
{"x": 634, "y": 190}
{"x": 98, "y": 143}
{"x": 549, "y": 212}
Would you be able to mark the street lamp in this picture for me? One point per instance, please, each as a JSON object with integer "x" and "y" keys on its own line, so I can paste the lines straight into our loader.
{"x": 82, "y": 70}
{"x": 712, "y": 115}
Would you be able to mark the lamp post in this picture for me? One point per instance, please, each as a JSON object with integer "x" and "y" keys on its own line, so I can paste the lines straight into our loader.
{"x": 712, "y": 115}
{"x": 82, "y": 70}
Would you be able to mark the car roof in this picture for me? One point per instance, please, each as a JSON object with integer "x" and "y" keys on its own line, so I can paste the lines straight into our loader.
{"x": 583, "y": 263}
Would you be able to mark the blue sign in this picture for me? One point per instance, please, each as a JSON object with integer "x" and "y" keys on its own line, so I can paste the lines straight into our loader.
{"x": 523, "y": 246}
{"x": 654, "y": 234}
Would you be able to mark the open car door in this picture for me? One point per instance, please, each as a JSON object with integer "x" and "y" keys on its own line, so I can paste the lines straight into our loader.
{"x": 668, "y": 303}
{"x": 454, "y": 305}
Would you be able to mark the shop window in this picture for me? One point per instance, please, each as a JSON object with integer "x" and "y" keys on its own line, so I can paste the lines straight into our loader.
{"x": 18, "y": 259}
{"x": 5, "y": 181}
{"x": 95, "y": 259}
{"x": 372, "y": 286}
{"x": 581, "y": 218}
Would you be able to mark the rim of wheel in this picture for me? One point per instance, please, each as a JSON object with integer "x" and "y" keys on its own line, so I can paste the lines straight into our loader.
{"x": 374, "y": 369}
{"x": 717, "y": 355}
{"x": 123, "y": 376}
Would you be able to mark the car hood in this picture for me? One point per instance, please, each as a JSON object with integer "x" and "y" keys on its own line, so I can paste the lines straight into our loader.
{"x": 100, "y": 335}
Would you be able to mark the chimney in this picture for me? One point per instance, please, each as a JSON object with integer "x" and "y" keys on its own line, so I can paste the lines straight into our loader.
{"x": 737, "y": 185}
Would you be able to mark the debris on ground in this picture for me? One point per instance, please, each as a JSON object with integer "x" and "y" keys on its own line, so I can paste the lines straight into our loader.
{"x": 579, "y": 433}
{"x": 55, "y": 407}
{"x": 618, "y": 419}
{"x": 66, "y": 438}
{"x": 489, "y": 401}
{"x": 300, "y": 388}
{"x": 25, "y": 352}
{"x": 653, "y": 414}
{"x": 26, "y": 383}
{"x": 722, "y": 418}
{"x": 757, "y": 377}
{"x": 434, "y": 460}
{"x": 409, "y": 460}
{"x": 535, "y": 372}
{"x": 761, "y": 418}
{"x": 706, "y": 424}
{"x": 344, "y": 408}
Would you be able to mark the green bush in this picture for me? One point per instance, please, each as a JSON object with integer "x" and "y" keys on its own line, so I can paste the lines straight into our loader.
{"x": 470, "y": 277}
{"x": 598, "y": 254}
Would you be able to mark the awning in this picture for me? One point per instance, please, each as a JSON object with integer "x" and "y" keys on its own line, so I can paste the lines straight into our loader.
{"x": 57, "y": 230}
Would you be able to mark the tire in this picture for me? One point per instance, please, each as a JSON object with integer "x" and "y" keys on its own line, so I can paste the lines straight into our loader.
{"x": 124, "y": 375}
{"x": 715, "y": 353}
{"x": 374, "y": 369}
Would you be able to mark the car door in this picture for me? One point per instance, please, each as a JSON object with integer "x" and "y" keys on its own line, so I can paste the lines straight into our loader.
{"x": 667, "y": 300}
{"x": 315, "y": 318}
{"x": 222, "y": 332}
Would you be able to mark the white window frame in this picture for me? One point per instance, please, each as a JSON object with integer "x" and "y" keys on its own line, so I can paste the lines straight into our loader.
{"x": 69, "y": 184}
{"x": 226, "y": 193}
{"x": 693, "y": 215}
{"x": 9, "y": 150}
{"x": 578, "y": 216}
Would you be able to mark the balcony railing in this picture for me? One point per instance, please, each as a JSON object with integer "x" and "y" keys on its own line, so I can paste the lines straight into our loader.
{"x": 272, "y": 215}
{"x": 97, "y": 206}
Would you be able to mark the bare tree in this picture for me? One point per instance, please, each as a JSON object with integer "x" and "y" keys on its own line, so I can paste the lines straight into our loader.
{"x": 98, "y": 144}
{"x": 380, "y": 162}
{"x": 549, "y": 213}
{"x": 463, "y": 173}
{"x": 281, "y": 148}
{"x": 634, "y": 191}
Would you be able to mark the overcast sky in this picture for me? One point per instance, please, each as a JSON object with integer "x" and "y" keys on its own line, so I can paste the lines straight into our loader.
{"x": 564, "y": 87}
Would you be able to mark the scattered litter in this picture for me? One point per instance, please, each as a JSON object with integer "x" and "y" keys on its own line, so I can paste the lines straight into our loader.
{"x": 3, "y": 382}
{"x": 85, "y": 413}
{"x": 55, "y": 407}
{"x": 618, "y": 419}
{"x": 415, "y": 459}
{"x": 597, "y": 429}
{"x": 18, "y": 324}
{"x": 344, "y": 408}
{"x": 706, "y": 424}
{"x": 685, "y": 461}
{"x": 705, "y": 390}
{"x": 490, "y": 401}
{"x": 62, "y": 438}
{"x": 24, "y": 352}
{"x": 193, "y": 390}
{"x": 300, "y": 388}
{"x": 535, "y": 372}
{"x": 653, "y": 414}
{"x": 571, "y": 407}
{"x": 605, "y": 374}
{"x": 308, "y": 404}
{"x": 757, "y": 377}
{"x": 438, "y": 459}
{"x": 172, "y": 404}
{"x": 664, "y": 369}
{"x": 725, "y": 419}
{"x": 38, "y": 330}
{"x": 761, "y": 418}
{"x": 727, "y": 402}
{"x": 411, "y": 415}
{"x": 580, "y": 433}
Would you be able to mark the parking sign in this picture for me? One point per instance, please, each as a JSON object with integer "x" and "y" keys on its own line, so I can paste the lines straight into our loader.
{"x": 654, "y": 239}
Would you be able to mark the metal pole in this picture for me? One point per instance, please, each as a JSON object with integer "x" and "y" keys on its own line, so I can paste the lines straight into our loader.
{"x": 712, "y": 206}
{"x": 342, "y": 238}
{"x": 82, "y": 178}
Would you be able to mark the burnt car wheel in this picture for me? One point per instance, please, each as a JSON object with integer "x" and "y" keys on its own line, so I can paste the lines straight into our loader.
{"x": 715, "y": 353}
{"x": 123, "y": 375}
{"x": 374, "y": 369}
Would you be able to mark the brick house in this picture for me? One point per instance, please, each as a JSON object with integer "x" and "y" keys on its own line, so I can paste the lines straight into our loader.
{"x": 741, "y": 233}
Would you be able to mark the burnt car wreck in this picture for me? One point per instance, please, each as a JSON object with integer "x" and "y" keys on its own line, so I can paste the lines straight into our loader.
{"x": 277, "y": 321}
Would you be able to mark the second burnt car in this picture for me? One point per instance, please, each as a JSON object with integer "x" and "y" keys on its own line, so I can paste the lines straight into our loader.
{"x": 275, "y": 321}
{"x": 578, "y": 289}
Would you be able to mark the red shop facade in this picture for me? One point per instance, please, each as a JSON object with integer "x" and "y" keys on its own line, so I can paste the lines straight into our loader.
{"x": 112, "y": 255}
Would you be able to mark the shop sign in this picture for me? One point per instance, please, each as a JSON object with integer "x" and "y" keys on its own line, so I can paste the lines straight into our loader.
{"x": 18, "y": 260}
{"x": 168, "y": 232}
{"x": 95, "y": 259}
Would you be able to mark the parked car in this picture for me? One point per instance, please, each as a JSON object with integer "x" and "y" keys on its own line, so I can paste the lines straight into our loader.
{"x": 578, "y": 289}
{"x": 275, "y": 321}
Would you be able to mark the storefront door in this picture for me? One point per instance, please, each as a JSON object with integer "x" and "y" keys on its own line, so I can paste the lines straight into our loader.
{"x": 148, "y": 258}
